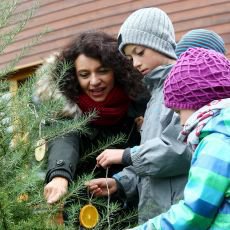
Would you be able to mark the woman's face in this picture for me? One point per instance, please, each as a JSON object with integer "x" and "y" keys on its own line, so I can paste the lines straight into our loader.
{"x": 94, "y": 79}
{"x": 144, "y": 59}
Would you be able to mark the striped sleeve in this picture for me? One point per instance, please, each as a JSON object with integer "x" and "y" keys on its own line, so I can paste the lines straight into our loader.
{"x": 204, "y": 193}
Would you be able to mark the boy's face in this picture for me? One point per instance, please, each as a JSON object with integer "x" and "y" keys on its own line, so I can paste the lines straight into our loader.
{"x": 184, "y": 115}
{"x": 144, "y": 59}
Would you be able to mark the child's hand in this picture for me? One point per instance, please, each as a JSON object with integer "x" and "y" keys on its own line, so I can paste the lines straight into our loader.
{"x": 55, "y": 189}
{"x": 98, "y": 187}
{"x": 109, "y": 157}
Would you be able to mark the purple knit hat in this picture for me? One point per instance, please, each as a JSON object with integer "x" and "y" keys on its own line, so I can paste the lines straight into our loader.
{"x": 199, "y": 77}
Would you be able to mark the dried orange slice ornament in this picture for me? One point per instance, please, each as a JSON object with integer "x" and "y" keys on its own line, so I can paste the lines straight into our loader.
{"x": 88, "y": 216}
{"x": 23, "y": 197}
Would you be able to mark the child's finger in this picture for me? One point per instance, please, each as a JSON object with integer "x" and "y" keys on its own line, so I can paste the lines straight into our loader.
{"x": 98, "y": 158}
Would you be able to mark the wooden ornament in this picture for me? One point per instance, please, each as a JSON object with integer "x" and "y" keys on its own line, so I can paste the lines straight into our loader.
{"x": 22, "y": 197}
{"x": 40, "y": 150}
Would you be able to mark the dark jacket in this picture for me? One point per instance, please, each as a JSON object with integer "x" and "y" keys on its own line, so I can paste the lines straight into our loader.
{"x": 65, "y": 152}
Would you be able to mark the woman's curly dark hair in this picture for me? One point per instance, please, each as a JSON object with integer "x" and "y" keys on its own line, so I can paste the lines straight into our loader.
{"x": 103, "y": 47}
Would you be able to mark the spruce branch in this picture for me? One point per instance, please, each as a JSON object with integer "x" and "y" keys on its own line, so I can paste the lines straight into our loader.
{"x": 10, "y": 67}
{"x": 63, "y": 127}
{"x": 8, "y": 36}
{"x": 3, "y": 217}
{"x": 102, "y": 145}
{"x": 8, "y": 7}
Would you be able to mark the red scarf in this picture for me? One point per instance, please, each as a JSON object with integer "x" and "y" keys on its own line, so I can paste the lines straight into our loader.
{"x": 111, "y": 111}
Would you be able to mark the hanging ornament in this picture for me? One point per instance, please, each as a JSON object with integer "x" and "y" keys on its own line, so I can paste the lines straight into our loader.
{"x": 40, "y": 149}
{"x": 89, "y": 216}
{"x": 23, "y": 197}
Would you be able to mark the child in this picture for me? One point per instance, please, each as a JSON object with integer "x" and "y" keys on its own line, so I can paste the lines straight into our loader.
{"x": 157, "y": 169}
{"x": 200, "y": 38}
{"x": 198, "y": 87}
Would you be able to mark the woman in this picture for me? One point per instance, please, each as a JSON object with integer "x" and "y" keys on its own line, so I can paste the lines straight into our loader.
{"x": 100, "y": 79}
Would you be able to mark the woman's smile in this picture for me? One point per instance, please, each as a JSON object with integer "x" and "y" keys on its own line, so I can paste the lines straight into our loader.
{"x": 97, "y": 92}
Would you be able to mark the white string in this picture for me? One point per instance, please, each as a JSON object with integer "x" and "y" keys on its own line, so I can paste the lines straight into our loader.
{"x": 40, "y": 130}
{"x": 107, "y": 187}
{"x": 34, "y": 111}
{"x": 108, "y": 201}
{"x": 91, "y": 197}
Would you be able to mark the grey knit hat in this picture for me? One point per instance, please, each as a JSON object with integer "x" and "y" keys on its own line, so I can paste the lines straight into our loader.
{"x": 149, "y": 27}
{"x": 202, "y": 38}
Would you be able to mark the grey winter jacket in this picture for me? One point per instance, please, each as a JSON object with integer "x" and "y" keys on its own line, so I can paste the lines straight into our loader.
{"x": 159, "y": 166}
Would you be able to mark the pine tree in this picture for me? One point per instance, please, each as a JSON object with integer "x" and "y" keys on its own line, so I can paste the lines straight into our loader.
{"x": 24, "y": 128}
{"x": 20, "y": 194}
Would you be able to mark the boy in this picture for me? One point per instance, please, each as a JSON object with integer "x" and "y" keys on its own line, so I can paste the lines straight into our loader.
{"x": 157, "y": 169}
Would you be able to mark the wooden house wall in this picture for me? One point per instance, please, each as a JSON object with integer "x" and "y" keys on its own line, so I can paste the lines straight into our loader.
{"x": 65, "y": 18}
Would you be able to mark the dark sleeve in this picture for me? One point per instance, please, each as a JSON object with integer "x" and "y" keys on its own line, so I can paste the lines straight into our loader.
{"x": 120, "y": 194}
{"x": 126, "y": 158}
{"x": 138, "y": 107}
{"x": 63, "y": 157}
{"x": 127, "y": 182}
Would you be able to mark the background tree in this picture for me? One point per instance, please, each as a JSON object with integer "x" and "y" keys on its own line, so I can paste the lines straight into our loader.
{"x": 24, "y": 130}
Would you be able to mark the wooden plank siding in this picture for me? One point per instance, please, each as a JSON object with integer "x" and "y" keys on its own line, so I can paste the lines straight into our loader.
{"x": 66, "y": 18}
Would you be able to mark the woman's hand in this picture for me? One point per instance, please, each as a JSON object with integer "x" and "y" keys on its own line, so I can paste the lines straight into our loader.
{"x": 98, "y": 187}
{"x": 109, "y": 157}
{"x": 55, "y": 189}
